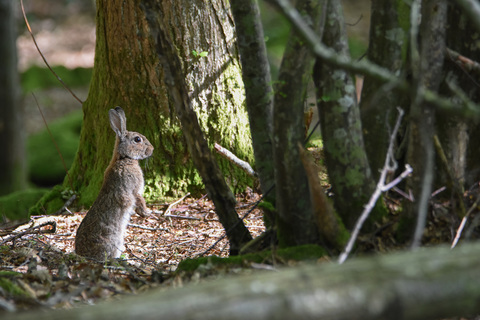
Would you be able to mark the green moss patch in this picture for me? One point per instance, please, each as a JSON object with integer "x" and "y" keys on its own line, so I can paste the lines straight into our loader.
{"x": 15, "y": 206}
{"x": 45, "y": 166}
{"x": 299, "y": 253}
{"x": 40, "y": 78}
{"x": 51, "y": 201}
{"x": 8, "y": 285}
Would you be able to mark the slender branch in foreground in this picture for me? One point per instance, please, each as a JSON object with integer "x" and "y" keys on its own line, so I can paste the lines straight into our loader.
{"x": 55, "y": 144}
{"x": 43, "y": 57}
{"x": 381, "y": 187}
{"x": 365, "y": 67}
{"x": 464, "y": 221}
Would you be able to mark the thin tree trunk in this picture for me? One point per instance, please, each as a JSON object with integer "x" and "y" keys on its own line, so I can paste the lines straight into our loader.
{"x": 435, "y": 283}
{"x": 203, "y": 159}
{"x": 296, "y": 222}
{"x": 12, "y": 131}
{"x": 258, "y": 88}
{"x": 379, "y": 101}
{"x": 458, "y": 135}
{"x": 346, "y": 160}
{"x": 427, "y": 75}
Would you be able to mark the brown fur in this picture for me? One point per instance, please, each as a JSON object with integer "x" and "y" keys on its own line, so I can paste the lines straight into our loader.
{"x": 101, "y": 233}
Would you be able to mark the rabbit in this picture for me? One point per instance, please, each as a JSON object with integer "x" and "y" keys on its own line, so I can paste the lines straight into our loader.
{"x": 100, "y": 236}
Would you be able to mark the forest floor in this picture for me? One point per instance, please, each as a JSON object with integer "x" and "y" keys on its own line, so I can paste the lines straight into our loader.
{"x": 39, "y": 269}
{"x": 38, "y": 260}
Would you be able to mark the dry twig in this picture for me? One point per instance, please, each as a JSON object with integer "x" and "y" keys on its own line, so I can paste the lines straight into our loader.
{"x": 35, "y": 229}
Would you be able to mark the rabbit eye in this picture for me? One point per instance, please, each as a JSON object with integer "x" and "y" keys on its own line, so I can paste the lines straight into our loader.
{"x": 137, "y": 139}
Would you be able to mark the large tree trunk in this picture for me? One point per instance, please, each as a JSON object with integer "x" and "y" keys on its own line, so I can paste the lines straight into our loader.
{"x": 202, "y": 156}
{"x": 12, "y": 131}
{"x": 346, "y": 160}
{"x": 296, "y": 222}
{"x": 425, "y": 284}
{"x": 127, "y": 73}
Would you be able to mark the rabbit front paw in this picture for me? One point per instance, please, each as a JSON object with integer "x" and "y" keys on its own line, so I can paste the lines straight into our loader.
{"x": 141, "y": 207}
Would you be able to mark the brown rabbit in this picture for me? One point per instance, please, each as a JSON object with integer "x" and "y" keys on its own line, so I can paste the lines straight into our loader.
{"x": 101, "y": 233}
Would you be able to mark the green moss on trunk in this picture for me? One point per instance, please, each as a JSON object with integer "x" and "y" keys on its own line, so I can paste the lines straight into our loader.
{"x": 127, "y": 74}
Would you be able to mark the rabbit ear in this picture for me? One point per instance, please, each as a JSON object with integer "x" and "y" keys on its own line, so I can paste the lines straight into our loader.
{"x": 118, "y": 121}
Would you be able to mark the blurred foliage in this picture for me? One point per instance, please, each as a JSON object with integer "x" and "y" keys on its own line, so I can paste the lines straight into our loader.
{"x": 276, "y": 30}
{"x": 15, "y": 206}
{"x": 36, "y": 77}
{"x": 44, "y": 164}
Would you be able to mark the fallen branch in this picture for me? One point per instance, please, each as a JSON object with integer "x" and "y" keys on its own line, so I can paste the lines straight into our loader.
{"x": 146, "y": 228}
{"x": 434, "y": 283}
{"x": 173, "y": 204}
{"x": 245, "y": 166}
{"x": 181, "y": 217}
{"x": 34, "y": 229}
{"x": 65, "y": 206}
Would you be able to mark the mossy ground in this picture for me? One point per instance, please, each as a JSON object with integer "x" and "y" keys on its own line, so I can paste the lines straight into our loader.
{"x": 299, "y": 253}
{"x": 16, "y": 205}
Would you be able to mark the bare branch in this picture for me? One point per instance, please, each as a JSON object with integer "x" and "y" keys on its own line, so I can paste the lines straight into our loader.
{"x": 366, "y": 67}
{"x": 381, "y": 187}
{"x": 245, "y": 166}
{"x": 464, "y": 221}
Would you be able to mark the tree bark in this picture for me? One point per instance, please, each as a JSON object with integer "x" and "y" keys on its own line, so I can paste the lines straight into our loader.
{"x": 458, "y": 134}
{"x": 347, "y": 163}
{"x": 378, "y": 102}
{"x": 258, "y": 88}
{"x": 427, "y": 74}
{"x": 203, "y": 159}
{"x": 12, "y": 131}
{"x": 127, "y": 73}
{"x": 433, "y": 283}
{"x": 296, "y": 222}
